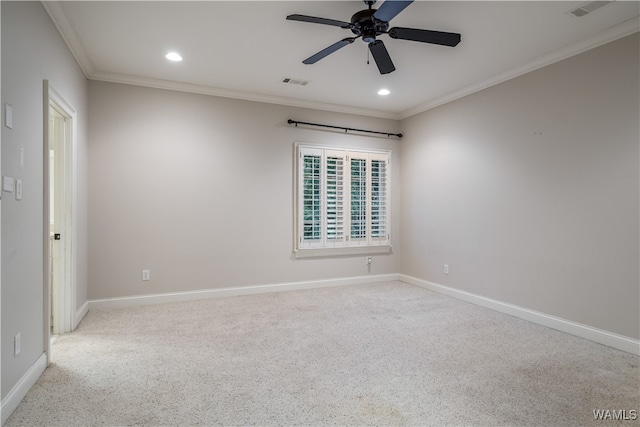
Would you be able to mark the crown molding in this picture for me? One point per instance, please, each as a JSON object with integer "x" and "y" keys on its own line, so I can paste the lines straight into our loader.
{"x": 236, "y": 94}
{"x": 59, "y": 18}
{"x": 614, "y": 33}
{"x": 68, "y": 34}
{"x": 65, "y": 29}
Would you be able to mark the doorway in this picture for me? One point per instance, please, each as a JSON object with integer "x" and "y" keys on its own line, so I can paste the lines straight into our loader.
{"x": 59, "y": 127}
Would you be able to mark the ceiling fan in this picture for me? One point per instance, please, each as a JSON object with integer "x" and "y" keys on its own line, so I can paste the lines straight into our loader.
{"x": 371, "y": 23}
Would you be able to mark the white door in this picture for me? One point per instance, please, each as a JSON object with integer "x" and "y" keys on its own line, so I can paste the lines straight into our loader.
{"x": 57, "y": 196}
{"x": 60, "y": 227}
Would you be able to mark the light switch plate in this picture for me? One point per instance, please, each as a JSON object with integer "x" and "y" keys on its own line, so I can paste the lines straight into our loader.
{"x": 8, "y": 184}
{"x": 18, "y": 189}
{"x": 8, "y": 115}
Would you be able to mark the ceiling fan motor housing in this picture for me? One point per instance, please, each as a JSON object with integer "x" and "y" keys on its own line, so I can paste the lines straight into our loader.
{"x": 364, "y": 24}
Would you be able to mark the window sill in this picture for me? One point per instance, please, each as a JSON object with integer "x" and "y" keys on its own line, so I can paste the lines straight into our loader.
{"x": 336, "y": 252}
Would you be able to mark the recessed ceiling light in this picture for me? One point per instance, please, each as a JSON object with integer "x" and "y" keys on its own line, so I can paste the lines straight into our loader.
{"x": 173, "y": 56}
{"x": 384, "y": 92}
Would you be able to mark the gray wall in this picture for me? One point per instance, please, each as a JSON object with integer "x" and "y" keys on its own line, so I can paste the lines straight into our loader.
{"x": 199, "y": 190}
{"x": 33, "y": 51}
{"x": 529, "y": 190}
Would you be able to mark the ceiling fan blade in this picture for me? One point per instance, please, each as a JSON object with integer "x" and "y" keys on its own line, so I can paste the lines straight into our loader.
{"x": 329, "y": 50}
{"x": 390, "y": 9}
{"x": 381, "y": 56}
{"x": 425, "y": 36}
{"x": 316, "y": 20}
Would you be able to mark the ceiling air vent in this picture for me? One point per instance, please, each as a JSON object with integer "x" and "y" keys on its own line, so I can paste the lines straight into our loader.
{"x": 589, "y": 7}
{"x": 293, "y": 81}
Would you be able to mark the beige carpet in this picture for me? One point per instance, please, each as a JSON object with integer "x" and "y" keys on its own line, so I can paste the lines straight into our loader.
{"x": 379, "y": 354}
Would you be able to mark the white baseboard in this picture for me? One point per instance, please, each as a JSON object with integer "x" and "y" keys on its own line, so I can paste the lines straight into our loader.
{"x": 139, "y": 300}
{"x": 22, "y": 387}
{"x": 80, "y": 315}
{"x": 600, "y": 336}
{"x": 610, "y": 339}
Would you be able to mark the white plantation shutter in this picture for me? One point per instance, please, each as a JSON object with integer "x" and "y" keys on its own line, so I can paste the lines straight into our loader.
{"x": 310, "y": 177}
{"x": 359, "y": 197}
{"x": 342, "y": 201}
{"x": 379, "y": 198}
{"x": 335, "y": 197}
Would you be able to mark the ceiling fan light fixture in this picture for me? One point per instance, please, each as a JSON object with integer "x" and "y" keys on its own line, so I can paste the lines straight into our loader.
{"x": 384, "y": 92}
{"x": 173, "y": 56}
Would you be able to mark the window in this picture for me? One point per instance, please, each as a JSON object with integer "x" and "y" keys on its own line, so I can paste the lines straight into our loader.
{"x": 342, "y": 201}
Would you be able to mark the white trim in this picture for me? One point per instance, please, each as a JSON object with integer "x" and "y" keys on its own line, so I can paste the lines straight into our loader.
{"x": 80, "y": 313}
{"x": 22, "y": 387}
{"x": 61, "y": 22}
{"x": 600, "y": 336}
{"x": 614, "y": 33}
{"x": 238, "y": 94}
{"x": 140, "y": 300}
{"x": 337, "y": 252}
{"x": 65, "y": 29}
{"x": 46, "y": 217}
{"x": 66, "y": 300}
{"x": 46, "y": 267}
{"x": 1, "y": 124}
{"x": 322, "y": 245}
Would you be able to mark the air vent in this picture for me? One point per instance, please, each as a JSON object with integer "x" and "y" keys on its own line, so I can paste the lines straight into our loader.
{"x": 293, "y": 81}
{"x": 589, "y": 7}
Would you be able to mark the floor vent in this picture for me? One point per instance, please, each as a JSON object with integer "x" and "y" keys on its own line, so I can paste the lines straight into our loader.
{"x": 589, "y": 7}
{"x": 293, "y": 81}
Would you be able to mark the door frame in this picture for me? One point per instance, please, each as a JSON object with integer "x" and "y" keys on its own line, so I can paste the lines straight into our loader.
{"x": 64, "y": 302}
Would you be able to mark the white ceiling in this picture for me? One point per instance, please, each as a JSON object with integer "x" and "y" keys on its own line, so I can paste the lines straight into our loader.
{"x": 244, "y": 49}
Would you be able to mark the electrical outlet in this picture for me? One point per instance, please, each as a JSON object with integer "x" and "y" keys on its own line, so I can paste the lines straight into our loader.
{"x": 446, "y": 269}
{"x": 369, "y": 260}
{"x": 146, "y": 275}
{"x": 16, "y": 345}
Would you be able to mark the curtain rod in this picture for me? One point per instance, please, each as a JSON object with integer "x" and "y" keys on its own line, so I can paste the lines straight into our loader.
{"x": 388, "y": 134}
